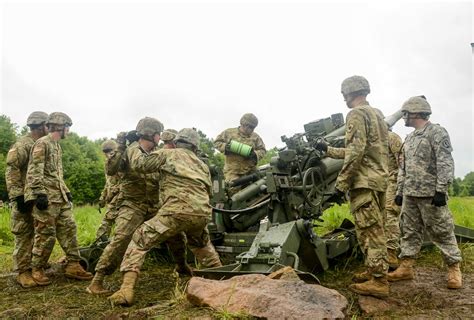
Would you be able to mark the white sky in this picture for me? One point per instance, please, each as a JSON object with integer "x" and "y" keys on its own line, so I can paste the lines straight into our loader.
{"x": 203, "y": 65}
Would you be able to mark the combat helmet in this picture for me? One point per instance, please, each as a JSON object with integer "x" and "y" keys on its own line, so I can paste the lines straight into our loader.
{"x": 355, "y": 84}
{"x": 147, "y": 127}
{"x": 249, "y": 119}
{"x": 168, "y": 135}
{"x": 109, "y": 145}
{"x": 417, "y": 104}
{"x": 37, "y": 118}
{"x": 188, "y": 135}
{"x": 59, "y": 118}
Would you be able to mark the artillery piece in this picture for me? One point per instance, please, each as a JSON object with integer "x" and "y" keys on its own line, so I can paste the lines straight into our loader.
{"x": 268, "y": 224}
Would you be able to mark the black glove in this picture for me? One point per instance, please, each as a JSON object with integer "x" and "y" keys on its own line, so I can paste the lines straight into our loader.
{"x": 253, "y": 156}
{"x": 439, "y": 199}
{"x": 132, "y": 136}
{"x": 21, "y": 205}
{"x": 337, "y": 197}
{"x": 398, "y": 200}
{"x": 227, "y": 148}
{"x": 321, "y": 145}
{"x": 69, "y": 196}
{"x": 42, "y": 202}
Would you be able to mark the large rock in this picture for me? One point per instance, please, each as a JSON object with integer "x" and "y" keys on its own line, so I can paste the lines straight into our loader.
{"x": 260, "y": 296}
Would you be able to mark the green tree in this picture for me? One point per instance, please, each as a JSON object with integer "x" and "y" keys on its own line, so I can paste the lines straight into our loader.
{"x": 268, "y": 156}
{"x": 468, "y": 184}
{"x": 7, "y": 134}
{"x": 207, "y": 147}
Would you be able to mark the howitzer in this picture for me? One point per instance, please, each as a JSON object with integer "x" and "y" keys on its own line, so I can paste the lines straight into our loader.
{"x": 268, "y": 224}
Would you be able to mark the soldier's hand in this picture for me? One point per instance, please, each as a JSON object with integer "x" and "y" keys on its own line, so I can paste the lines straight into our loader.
{"x": 69, "y": 196}
{"x": 101, "y": 203}
{"x": 42, "y": 202}
{"x": 321, "y": 145}
{"x": 439, "y": 199}
{"x": 253, "y": 156}
{"x": 21, "y": 205}
{"x": 227, "y": 148}
{"x": 398, "y": 200}
{"x": 337, "y": 197}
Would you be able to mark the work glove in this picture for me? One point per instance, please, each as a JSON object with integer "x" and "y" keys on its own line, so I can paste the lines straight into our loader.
{"x": 439, "y": 199}
{"x": 321, "y": 145}
{"x": 227, "y": 148}
{"x": 21, "y": 205}
{"x": 398, "y": 200}
{"x": 42, "y": 202}
{"x": 337, "y": 197}
{"x": 69, "y": 196}
{"x": 101, "y": 203}
{"x": 253, "y": 156}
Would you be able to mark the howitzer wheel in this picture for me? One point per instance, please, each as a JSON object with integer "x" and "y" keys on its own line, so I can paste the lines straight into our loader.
{"x": 313, "y": 186}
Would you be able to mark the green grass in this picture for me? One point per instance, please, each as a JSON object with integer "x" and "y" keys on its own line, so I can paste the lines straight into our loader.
{"x": 463, "y": 211}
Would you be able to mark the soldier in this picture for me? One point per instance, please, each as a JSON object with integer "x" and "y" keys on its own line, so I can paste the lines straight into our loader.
{"x": 168, "y": 137}
{"x": 364, "y": 175}
{"x": 15, "y": 175}
{"x": 138, "y": 200}
{"x": 52, "y": 213}
{"x": 242, "y": 148}
{"x": 424, "y": 177}
{"x": 392, "y": 211}
{"x": 109, "y": 196}
{"x": 185, "y": 190}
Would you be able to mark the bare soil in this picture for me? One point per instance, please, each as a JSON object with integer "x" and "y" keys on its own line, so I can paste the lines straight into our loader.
{"x": 160, "y": 294}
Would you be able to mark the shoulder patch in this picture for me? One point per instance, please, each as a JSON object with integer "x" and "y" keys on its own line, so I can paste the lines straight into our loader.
{"x": 446, "y": 144}
{"x": 350, "y": 127}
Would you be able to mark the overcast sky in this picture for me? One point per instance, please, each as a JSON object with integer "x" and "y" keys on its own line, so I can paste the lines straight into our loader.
{"x": 203, "y": 65}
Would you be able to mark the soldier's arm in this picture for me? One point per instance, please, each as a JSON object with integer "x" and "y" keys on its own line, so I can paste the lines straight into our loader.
{"x": 221, "y": 141}
{"x": 336, "y": 153}
{"x": 444, "y": 160}
{"x": 17, "y": 158}
{"x": 395, "y": 145}
{"x": 115, "y": 163}
{"x": 35, "y": 173}
{"x": 143, "y": 163}
{"x": 401, "y": 172}
{"x": 356, "y": 140}
{"x": 103, "y": 195}
{"x": 259, "y": 148}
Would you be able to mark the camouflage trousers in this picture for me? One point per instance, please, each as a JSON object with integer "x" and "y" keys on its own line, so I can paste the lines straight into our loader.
{"x": 127, "y": 221}
{"x": 420, "y": 216}
{"x": 108, "y": 221}
{"x": 22, "y": 227}
{"x": 164, "y": 227}
{"x": 56, "y": 222}
{"x": 368, "y": 208}
{"x": 392, "y": 218}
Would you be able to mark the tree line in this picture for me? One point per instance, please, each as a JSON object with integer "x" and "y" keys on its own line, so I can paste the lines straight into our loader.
{"x": 83, "y": 163}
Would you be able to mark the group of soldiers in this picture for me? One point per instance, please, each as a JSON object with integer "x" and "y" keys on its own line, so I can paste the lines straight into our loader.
{"x": 161, "y": 194}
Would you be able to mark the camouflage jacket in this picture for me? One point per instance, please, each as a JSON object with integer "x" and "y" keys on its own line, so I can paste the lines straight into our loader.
{"x": 111, "y": 189}
{"x": 427, "y": 164}
{"x": 394, "y": 150}
{"x": 234, "y": 163}
{"x": 185, "y": 181}
{"x": 17, "y": 164}
{"x": 365, "y": 153}
{"x": 45, "y": 171}
{"x": 137, "y": 190}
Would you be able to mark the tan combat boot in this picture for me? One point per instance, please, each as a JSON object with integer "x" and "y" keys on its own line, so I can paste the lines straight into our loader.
{"x": 124, "y": 296}
{"x": 376, "y": 287}
{"x": 97, "y": 284}
{"x": 184, "y": 269}
{"x": 39, "y": 277}
{"x": 74, "y": 270}
{"x": 26, "y": 280}
{"x": 404, "y": 271}
{"x": 207, "y": 256}
{"x": 392, "y": 259}
{"x": 360, "y": 277}
{"x": 454, "y": 276}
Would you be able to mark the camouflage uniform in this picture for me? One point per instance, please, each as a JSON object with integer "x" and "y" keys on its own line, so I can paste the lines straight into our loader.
{"x": 136, "y": 203}
{"x": 427, "y": 167}
{"x": 185, "y": 186}
{"x": 364, "y": 174}
{"x": 236, "y": 165}
{"x": 21, "y": 223}
{"x": 45, "y": 177}
{"x": 109, "y": 196}
{"x": 392, "y": 211}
